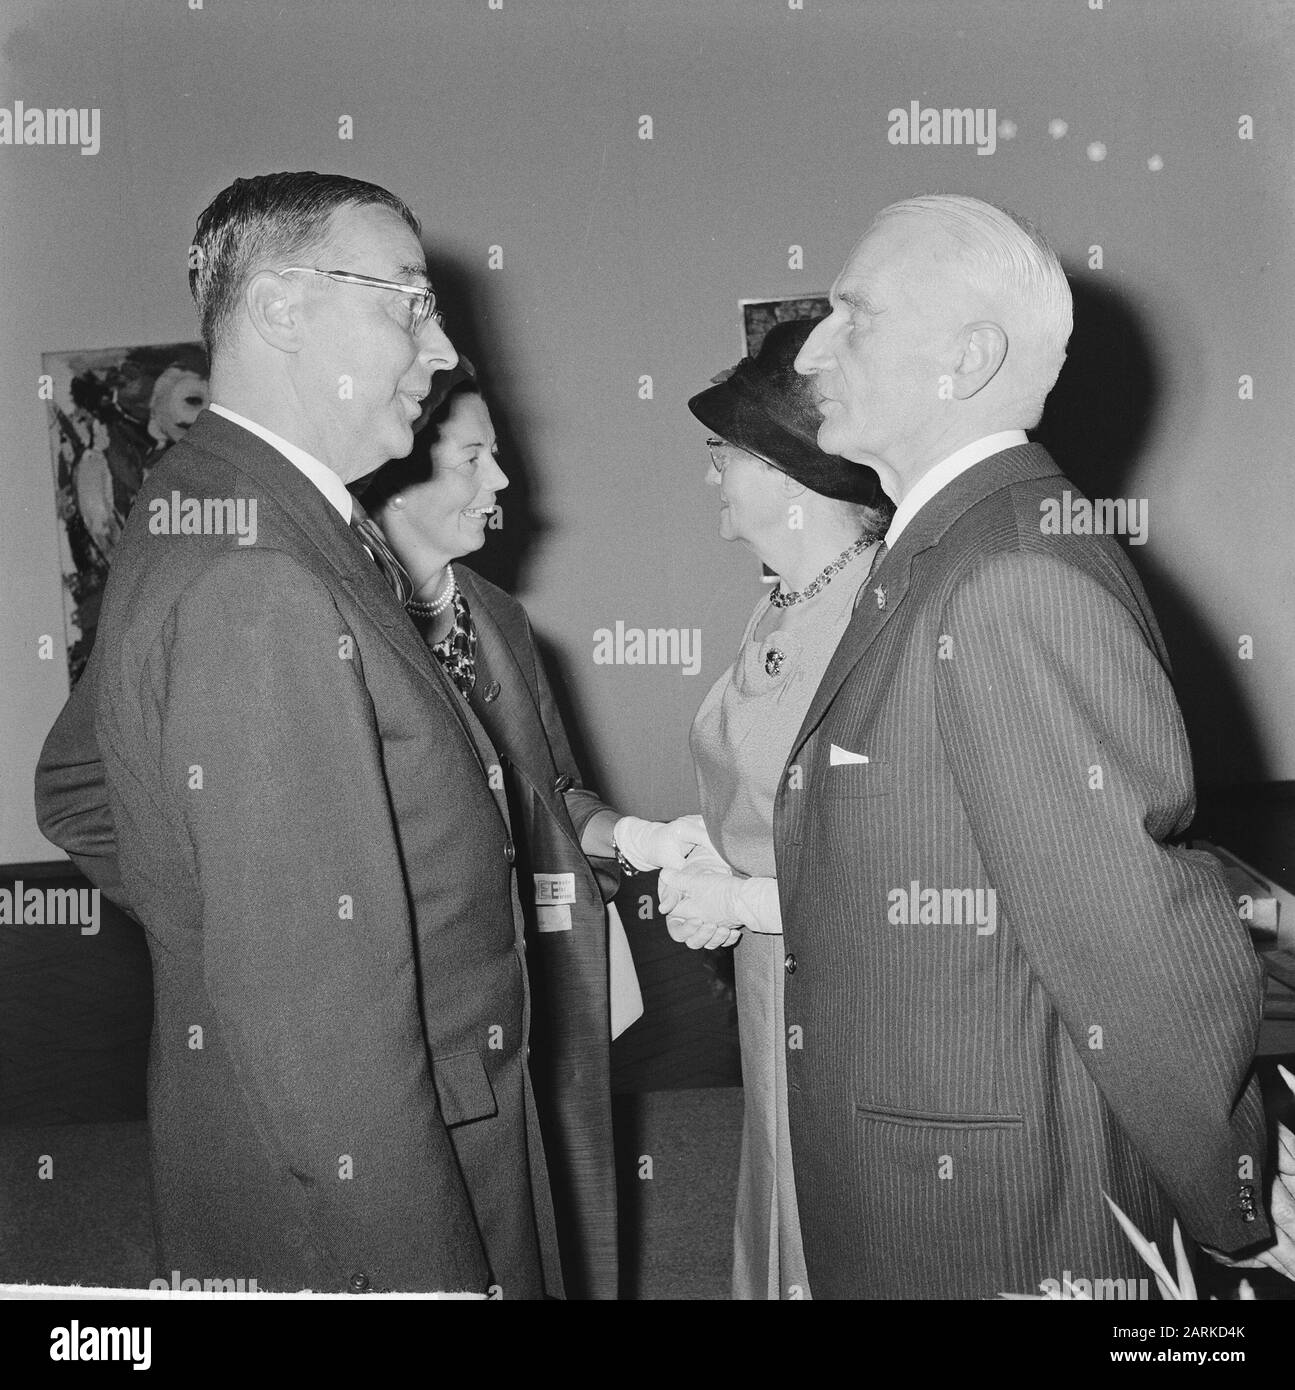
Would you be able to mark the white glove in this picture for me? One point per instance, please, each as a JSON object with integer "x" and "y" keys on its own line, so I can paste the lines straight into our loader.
{"x": 701, "y": 894}
{"x": 701, "y": 936}
{"x": 704, "y": 855}
{"x": 654, "y": 844}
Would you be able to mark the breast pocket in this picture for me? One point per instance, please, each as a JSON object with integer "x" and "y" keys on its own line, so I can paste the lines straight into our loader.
{"x": 848, "y": 780}
{"x": 463, "y": 1088}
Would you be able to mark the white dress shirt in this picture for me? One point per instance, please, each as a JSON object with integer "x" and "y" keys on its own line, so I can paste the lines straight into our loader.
{"x": 945, "y": 472}
{"x": 320, "y": 474}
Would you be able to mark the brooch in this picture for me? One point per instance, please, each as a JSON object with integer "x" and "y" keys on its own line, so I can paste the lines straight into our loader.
{"x": 773, "y": 660}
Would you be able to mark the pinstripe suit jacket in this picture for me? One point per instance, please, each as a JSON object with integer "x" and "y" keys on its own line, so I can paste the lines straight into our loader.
{"x": 963, "y": 1089}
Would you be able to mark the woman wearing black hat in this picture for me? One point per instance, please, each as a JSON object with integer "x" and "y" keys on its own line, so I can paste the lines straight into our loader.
{"x": 816, "y": 521}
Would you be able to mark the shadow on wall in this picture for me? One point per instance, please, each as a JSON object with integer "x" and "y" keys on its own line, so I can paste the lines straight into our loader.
{"x": 462, "y": 294}
{"x": 1098, "y": 421}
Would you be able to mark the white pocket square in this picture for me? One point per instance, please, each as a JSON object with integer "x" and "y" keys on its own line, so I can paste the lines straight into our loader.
{"x": 843, "y": 755}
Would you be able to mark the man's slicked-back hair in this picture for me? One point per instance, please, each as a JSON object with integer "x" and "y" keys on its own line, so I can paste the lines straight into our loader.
{"x": 1010, "y": 262}
{"x": 264, "y": 223}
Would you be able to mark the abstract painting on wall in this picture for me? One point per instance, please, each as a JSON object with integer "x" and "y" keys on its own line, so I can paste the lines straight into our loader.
{"x": 760, "y": 315}
{"x": 113, "y": 414}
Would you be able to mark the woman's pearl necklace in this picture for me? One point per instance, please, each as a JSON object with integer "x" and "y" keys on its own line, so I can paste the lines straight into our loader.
{"x": 435, "y": 609}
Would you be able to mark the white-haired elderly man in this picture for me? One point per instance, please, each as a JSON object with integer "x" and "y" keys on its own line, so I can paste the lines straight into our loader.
{"x": 1011, "y": 994}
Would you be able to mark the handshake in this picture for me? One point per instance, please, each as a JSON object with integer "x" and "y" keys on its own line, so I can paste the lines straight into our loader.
{"x": 705, "y": 903}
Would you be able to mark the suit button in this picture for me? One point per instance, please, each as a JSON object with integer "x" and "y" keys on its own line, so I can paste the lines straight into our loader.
{"x": 358, "y": 1283}
{"x": 1247, "y": 1202}
{"x": 789, "y": 965}
{"x": 491, "y": 692}
{"x": 564, "y": 782}
{"x": 510, "y": 851}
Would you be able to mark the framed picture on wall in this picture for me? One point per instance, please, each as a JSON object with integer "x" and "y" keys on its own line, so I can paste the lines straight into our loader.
{"x": 113, "y": 414}
{"x": 760, "y": 315}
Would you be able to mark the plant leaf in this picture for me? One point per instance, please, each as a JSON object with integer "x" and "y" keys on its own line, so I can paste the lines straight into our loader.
{"x": 1285, "y": 1150}
{"x": 1186, "y": 1283}
{"x": 1147, "y": 1250}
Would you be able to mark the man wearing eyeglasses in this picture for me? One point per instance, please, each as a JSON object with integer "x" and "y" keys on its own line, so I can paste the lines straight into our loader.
{"x": 266, "y": 767}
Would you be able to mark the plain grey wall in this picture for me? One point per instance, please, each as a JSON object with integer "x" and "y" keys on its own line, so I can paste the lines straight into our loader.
{"x": 518, "y": 126}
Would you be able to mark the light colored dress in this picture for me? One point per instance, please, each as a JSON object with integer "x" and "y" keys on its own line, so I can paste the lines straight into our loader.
{"x": 740, "y": 741}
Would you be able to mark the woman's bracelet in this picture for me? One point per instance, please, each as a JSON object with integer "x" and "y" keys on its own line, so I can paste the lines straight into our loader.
{"x": 622, "y": 863}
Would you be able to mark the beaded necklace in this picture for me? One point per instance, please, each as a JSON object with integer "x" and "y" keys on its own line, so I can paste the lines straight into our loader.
{"x": 779, "y": 599}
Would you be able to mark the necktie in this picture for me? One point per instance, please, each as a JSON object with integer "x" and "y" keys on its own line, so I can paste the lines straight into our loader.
{"x": 383, "y": 556}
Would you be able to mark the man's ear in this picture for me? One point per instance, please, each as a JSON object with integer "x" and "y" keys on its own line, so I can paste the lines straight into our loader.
{"x": 273, "y": 306}
{"x": 984, "y": 350}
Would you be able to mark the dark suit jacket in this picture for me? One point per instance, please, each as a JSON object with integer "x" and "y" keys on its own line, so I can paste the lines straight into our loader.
{"x": 303, "y": 823}
{"x": 570, "y": 1056}
{"x": 962, "y": 1098}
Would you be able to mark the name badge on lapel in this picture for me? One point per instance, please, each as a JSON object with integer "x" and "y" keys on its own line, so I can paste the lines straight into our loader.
{"x": 553, "y": 895}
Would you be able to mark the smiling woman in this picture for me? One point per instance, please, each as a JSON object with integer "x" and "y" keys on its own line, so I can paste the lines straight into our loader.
{"x": 436, "y": 506}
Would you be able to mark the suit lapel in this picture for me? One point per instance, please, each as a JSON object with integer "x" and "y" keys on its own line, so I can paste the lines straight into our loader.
{"x": 322, "y": 532}
{"x": 892, "y": 581}
{"x": 512, "y": 719}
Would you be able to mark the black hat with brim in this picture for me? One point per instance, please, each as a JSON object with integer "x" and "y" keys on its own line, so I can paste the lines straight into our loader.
{"x": 766, "y": 407}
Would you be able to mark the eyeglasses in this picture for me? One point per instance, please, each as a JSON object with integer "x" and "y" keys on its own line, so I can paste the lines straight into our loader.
{"x": 422, "y": 297}
{"x": 718, "y": 459}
